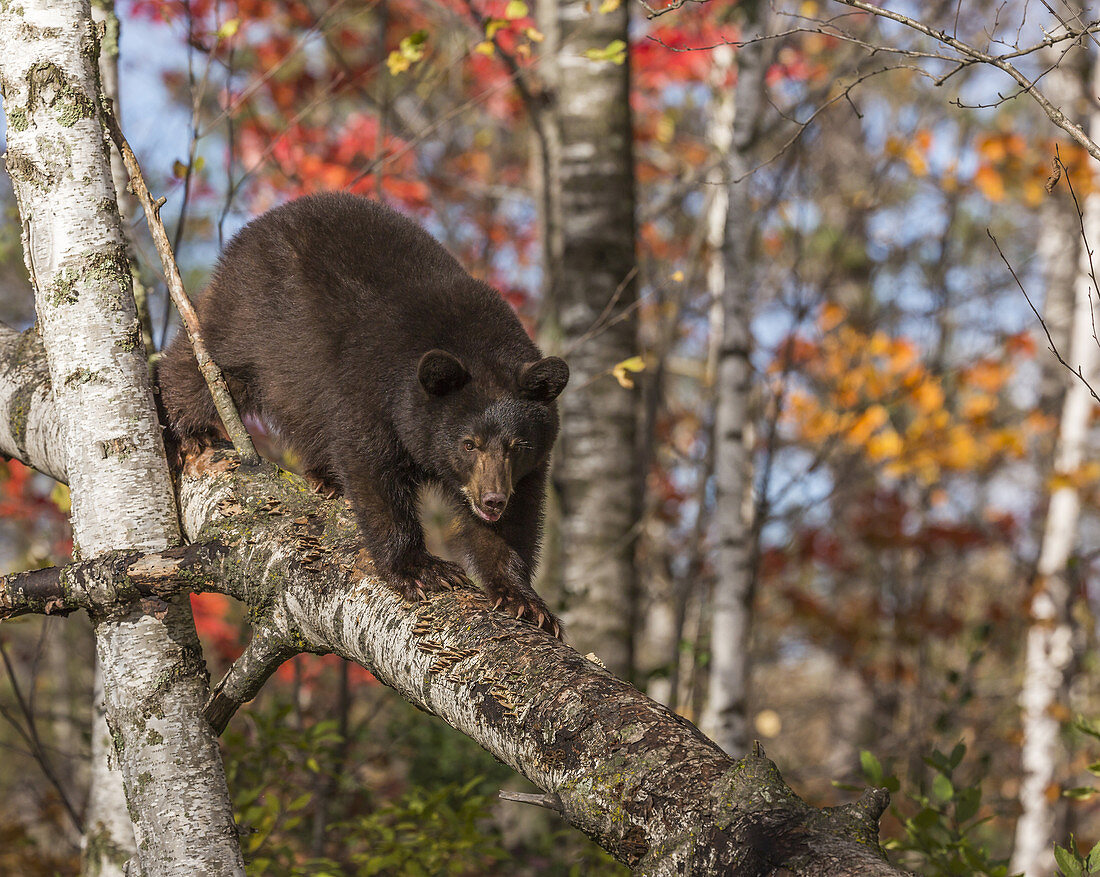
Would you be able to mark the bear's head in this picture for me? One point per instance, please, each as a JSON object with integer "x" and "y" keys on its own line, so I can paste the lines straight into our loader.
{"x": 483, "y": 442}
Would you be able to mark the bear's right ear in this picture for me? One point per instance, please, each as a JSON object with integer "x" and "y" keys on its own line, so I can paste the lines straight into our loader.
{"x": 544, "y": 379}
{"x": 440, "y": 373}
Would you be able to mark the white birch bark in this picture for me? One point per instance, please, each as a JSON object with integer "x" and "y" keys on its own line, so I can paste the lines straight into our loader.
{"x": 154, "y": 676}
{"x": 736, "y": 113}
{"x": 595, "y": 235}
{"x": 109, "y": 836}
{"x": 1049, "y": 649}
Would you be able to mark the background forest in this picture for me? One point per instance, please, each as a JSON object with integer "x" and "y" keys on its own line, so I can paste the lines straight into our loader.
{"x": 822, "y": 482}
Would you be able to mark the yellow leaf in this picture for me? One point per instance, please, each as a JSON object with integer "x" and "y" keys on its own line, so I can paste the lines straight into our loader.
{"x": 868, "y": 422}
{"x": 397, "y": 63}
{"x": 492, "y": 26}
{"x": 884, "y": 444}
{"x": 515, "y": 9}
{"x": 609, "y": 6}
{"x": 615, "y": 52}
{"x": 484, "y": 48}
{"x": 60, "y": 497}
{"x": 533, "y": 34}
{"x": 917, "y": 163}
{"x": 976, "y": 406}
{"x": 929, "y": 397}
{"x": 677, "y": 276}
{"x": 229, "y": 28}
{"x": 623, "y": 370}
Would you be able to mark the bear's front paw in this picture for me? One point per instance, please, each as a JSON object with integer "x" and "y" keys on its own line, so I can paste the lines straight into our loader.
{"x": 527, "y": 606}
{"x": 323, "y": 484}
{"x": 429, "y": 574}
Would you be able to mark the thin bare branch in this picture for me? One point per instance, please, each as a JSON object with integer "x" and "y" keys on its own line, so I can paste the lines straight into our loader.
{"x": 227, "y": 411}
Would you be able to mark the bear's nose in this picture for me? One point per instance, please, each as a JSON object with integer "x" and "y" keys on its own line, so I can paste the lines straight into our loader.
{"x": 494, "y": 502}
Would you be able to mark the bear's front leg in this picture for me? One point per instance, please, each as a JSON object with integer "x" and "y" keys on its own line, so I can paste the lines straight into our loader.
{"x": 385, "y": 507}
{"x": 503, "y": 553}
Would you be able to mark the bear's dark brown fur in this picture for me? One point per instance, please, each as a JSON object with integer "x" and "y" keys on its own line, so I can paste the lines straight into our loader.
{"x": 384, "y": 365}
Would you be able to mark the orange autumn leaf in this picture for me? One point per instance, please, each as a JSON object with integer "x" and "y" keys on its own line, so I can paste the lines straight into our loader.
{"x": 870, "y": 420}
{"x": 990, "y": 183}
{"x": 986, "y": 375}
{"x": 832, "y": 315}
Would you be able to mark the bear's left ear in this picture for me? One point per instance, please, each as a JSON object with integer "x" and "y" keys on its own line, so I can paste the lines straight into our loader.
{"x": 440, "y": 373}
{"x": 543, "y": 380}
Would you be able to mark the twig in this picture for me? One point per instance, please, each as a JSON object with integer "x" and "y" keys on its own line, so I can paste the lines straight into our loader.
{"x": 1054, "y": 113}
{"x": 550, "y": 802}
{"x": 1053, "y": 348}
{"x": 30, "y": 735}
{"x": 223, "y": 402}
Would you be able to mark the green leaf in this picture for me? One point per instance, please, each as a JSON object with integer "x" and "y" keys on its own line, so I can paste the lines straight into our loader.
{"x": 957, "y": 754}
{"x": 615, "y": 52}
{"x": 1070, "y": 863}
{"x": 1086, "y": 727}
{"x": 1092, "y": 861}
{"x": 872, "y": 767}
{"x": 942, "y": 787}
{"x": 1081, "y": 793}
{"x": 967, "y": 803}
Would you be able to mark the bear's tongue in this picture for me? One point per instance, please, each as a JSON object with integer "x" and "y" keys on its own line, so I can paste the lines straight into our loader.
{"x": 491, "y": 517}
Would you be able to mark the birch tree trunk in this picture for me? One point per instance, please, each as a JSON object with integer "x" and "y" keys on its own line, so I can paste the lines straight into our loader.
{"x": 736, "y": 116}
{"x": 1049, "y": 649}
{"x": 592, "y": 168}
{"x": 153, "y": 672}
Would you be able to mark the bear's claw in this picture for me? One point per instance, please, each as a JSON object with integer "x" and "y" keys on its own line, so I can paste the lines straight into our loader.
{"x": 430, "y": 576}
{"x": 529, "y": 608}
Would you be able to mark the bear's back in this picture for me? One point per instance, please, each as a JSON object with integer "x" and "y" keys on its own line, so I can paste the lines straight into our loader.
{"x": 337, "y": 282}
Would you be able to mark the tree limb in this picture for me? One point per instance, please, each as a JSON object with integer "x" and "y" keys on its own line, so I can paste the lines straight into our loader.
{"x": 639, "y": 779}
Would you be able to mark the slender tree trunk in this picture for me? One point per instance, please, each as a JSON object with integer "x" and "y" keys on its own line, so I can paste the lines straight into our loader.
{"x": 153, "y": 673}
{"x": 594, "y": 292}
{"x": 1050, "y": 636}
{"x": 736, "y": 115}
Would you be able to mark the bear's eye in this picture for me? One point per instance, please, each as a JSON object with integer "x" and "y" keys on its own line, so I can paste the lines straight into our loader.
{"x": 468, "y": 444}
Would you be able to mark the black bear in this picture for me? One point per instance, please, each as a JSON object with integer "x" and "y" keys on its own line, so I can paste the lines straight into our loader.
{"x": 384, "y": 365}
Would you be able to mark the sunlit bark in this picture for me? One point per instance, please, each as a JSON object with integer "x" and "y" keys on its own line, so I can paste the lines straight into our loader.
{"x": 153, "y": 674}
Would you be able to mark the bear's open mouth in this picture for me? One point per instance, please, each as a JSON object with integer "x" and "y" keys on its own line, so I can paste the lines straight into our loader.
{"x": 485, "y": 515}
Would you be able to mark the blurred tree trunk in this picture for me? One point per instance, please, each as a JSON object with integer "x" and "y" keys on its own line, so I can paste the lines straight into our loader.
{"x": 1050, "y": 636}
{"x": 736, "y": 117}
{"x": 154, "y": 676}
{"x": 591, "y": 266}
